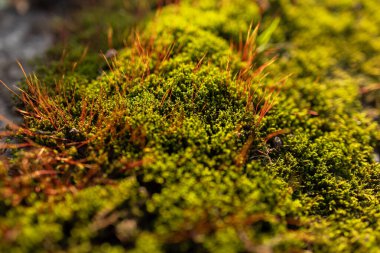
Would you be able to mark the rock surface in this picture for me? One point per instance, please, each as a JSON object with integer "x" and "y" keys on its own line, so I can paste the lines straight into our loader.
{"x": 22, "y": 38}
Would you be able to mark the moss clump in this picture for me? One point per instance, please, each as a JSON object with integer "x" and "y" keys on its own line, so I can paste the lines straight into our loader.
{"x": 178, "y": 144}
{"x": 332, "y": 40}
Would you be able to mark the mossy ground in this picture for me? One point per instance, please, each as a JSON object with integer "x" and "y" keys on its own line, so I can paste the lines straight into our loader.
{"x": 194, "y": 139}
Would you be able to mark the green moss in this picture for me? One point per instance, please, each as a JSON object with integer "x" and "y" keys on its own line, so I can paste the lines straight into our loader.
{"x": 169, "y": 148}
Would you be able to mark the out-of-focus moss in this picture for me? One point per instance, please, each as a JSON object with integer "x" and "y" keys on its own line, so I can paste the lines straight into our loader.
{"x": 328, "y": 38}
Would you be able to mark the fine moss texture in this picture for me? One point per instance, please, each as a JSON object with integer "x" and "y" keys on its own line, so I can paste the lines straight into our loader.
{"x": 211, "y": 126}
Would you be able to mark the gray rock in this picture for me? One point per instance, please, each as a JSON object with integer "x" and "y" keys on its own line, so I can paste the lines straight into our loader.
{"x": 22, "y": 38}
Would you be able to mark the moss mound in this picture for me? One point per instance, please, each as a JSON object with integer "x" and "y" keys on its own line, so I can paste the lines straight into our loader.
{"x": 192, "y": 138}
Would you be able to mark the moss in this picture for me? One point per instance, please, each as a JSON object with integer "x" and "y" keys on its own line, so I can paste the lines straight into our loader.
{"x": 344, "y": 38}
{"x": 189, "y": 141}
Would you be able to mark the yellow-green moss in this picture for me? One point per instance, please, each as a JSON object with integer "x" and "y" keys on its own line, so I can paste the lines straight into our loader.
{"x": 164, "y": 149}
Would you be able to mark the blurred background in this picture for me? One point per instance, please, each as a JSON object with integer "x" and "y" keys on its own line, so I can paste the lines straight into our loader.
{"x": 26, "y": 32}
